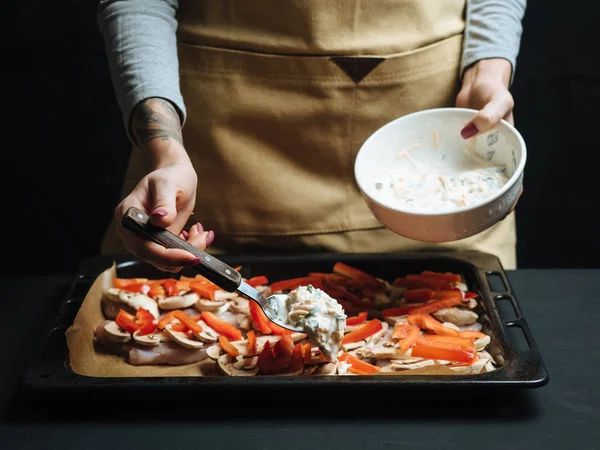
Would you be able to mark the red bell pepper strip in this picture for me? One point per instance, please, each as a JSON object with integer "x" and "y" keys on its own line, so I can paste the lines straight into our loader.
{"x": 258, "y": 317}
{"x": 291, "y": 284}
{"x": 221, "y": 327}
{"x": 266, "y": 360}
{"x": 358, "y": 366}
{"x": 170, "y": 286}
{"x": 352, "y": 272}
{"x": 446, "y": 354}
{"x": 277, "y": 330}
{"x": 282, "y": 350}
{"x": 422, "y": 282}
{"x": 469, "y": 295}
{"x": 366, "y": 330}
{"x": 204, "y": 290}
{"x": 297, "y": 359}
{"x": 143, "y": 315}
{"x": 434, "y": 306}
{"x": 472, "y": 334}
{"x": 252, "y": 348}
{"x": 357, "y": 320}
{"x": 346, "y": 306}
{"x": 429, "y": 323}
{"x": 450, "y": 277}
{"x": 121, "y": 283}
{"x": 418, "y": 295}
{"x": 126, "y": 321}
{"x": 167, "y": 319}
{"x": 228, "y": 347}
{"x": 147, "y": 328}
{"x": 187, "y": 321}
{"x": 260, "y": 280}
{"x": 179, "y": 327}
{"x": 394, "y": 312}
{"x": 307, "y": 353}
{"x": 434, "y": 340}
{"x": 406, "y": 334}
{"x": 339, "y": 292}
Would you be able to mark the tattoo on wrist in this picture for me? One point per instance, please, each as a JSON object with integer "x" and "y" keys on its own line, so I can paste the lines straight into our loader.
{"x": 155, "y": 118}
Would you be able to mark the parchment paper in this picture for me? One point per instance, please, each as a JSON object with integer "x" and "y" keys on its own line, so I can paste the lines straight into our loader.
{"x": 88, "y": 359}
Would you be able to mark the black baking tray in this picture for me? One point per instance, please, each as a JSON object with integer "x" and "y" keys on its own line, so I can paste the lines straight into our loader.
{"x": 513, "y": 345}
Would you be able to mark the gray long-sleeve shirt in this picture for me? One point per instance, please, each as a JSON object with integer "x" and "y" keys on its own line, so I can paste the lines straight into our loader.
{"x": 141, "y": 44}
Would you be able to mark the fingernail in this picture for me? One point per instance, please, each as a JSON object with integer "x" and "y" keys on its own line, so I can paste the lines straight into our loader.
{"x": 210, "y": 237}
{"x": 159, "y": 212}
{"x": 199, "y": 227}
{"x": 469, "y": 131}
{"x": 190, "y": 262}
{"x": 185, "y": 234}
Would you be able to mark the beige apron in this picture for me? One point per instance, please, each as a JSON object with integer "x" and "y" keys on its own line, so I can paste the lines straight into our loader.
{"x": 281, "y": 94}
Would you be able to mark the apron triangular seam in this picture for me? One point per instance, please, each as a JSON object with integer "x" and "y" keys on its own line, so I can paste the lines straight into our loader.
{"x": 357, "y": 68}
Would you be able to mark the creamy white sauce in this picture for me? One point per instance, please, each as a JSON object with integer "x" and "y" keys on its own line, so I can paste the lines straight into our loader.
{"x": 317, "y": 314}
{"x": 419, "y": 186}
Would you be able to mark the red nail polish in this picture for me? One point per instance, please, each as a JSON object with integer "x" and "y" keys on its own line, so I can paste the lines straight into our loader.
{"x": 210, "y": 237}
{"x": 159, "y": 212}
{"x": 185, "y": 234}
{"x": 469, "y": 131}
{"x": 190, "y": 262}
{"x": 199, "y": 227}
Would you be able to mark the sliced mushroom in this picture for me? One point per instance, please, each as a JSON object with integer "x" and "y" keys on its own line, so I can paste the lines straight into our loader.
{"x": 408, "y": 360}
{"x": 381, "y": 351}
{"x": 396, "y": 293}
{"x": 148, "y": 340}
{"x": 134, "y": 300}
{"x": 393, "y": 320}
{"x": 381, "y": 299}
{"x": 476, "y": 367}
{"x": 470, "y": 303}
{"x": 413, "y": 365}
{"x": 207, "y": 335}
{"x": 178, "y": 301}
{"x": 214, "y": 352}
{"x": 482, "y": 343}
{"x": 473, "y": 327}
{"x": 224, "y": 295}
{"x": 327, "y": 369}
{"x": 457, "y": 316}
{"x": 451, "y": 325}
{"x": 309, "y": 370}
{"x": 182, "y": 338}
{"x": 244, "y": 321}
{"x": 115, "y": 333}
{"x": 245, "y": 363}
{"x": 240, "y": 305}
{"x": 485, "y": 355}
{"x": 228, "y": 367}
{"x": 353, "y": 345}
{"x": 203, "y": 304}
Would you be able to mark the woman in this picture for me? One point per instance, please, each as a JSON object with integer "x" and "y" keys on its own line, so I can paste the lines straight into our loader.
{"x": 279, "y": 96}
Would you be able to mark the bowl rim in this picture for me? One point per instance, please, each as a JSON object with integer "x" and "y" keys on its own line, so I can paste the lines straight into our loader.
{"x": 507, "y": 186}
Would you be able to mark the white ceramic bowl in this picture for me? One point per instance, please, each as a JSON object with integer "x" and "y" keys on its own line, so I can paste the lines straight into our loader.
{"x": 379, "y": 154}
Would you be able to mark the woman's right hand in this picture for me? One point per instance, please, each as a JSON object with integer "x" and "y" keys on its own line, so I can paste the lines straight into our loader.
{"x": 167, "y": 193}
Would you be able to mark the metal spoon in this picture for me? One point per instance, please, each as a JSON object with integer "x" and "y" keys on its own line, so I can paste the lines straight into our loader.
{"x": 210, "y": 267}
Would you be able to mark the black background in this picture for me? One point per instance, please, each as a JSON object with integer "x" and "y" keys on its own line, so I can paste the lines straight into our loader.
{"x": 65, "y": 149}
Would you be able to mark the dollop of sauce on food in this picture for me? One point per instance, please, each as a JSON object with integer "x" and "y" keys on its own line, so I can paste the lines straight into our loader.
{"x": 434, "y": 188}
{"x": 321, "y": 317}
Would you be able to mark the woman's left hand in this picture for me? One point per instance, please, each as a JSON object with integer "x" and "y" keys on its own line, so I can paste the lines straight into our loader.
{"x": 485, "y": 88}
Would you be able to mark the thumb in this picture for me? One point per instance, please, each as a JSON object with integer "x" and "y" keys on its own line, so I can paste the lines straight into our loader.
{"x": 490, "y": 115}
{"x": 164, "y": 202}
